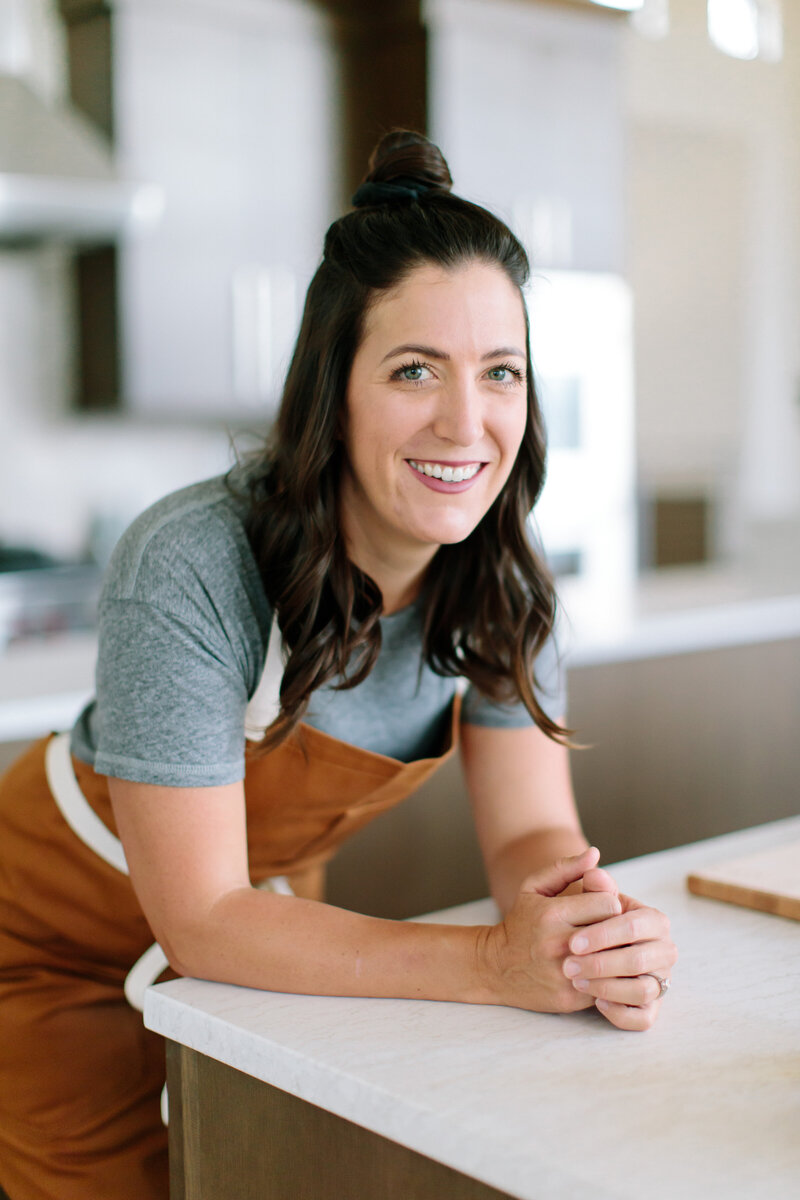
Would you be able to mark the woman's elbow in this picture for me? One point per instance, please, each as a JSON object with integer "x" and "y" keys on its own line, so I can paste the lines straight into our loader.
{"x": 199, "y": 944}
{"x": 187, "y": 949}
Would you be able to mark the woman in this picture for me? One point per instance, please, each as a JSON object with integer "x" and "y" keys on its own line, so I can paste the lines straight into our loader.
{"x": 323, "y": 600}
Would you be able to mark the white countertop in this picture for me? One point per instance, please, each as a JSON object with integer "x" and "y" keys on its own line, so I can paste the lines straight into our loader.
{"x": 44, "y": 684}
{"x": 706, "y": 1105}
{"x": 741, "y": 622}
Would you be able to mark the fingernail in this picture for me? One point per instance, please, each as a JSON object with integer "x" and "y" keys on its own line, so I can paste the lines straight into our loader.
{"x": 602, "y": 1005}
{"x": 579, "y": 943}
{"x": 581, "y": 984}
{"x": 571, "y": 968}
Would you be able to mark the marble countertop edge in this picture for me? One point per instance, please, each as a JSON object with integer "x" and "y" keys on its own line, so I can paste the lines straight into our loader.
{"x": 419, "y": 1128}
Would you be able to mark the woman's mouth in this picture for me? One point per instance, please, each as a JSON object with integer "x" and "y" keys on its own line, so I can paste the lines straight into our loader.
{"x": 444, "y": 476}
{"x": 446, "y": 471}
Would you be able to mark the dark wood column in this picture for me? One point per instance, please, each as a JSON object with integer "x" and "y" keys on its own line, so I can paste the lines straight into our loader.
{"x": 95, "y": 269}
{"x": 382, "y": 56}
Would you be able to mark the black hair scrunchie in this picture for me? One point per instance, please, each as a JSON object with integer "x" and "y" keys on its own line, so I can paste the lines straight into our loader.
{"x": 393, "y": 192}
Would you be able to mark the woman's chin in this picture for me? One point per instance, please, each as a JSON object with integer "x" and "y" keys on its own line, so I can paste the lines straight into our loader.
{"x": 444, "y": 532}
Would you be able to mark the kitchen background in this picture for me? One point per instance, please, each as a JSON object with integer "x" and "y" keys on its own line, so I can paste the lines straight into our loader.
{"x": 167, "y": 170}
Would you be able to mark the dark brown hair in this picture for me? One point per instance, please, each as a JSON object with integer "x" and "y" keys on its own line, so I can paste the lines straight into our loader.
{"x": 488, "y": 601}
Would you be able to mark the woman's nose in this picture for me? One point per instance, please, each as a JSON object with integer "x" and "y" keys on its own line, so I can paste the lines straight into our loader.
{"x": 459, "y": 418}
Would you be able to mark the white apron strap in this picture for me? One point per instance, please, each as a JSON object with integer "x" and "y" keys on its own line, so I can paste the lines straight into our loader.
{"x": 144, "y": 971}
{"x": 265, "y": 703}
{"x": 81, "y": 818}
{"x": 86, "y": 825}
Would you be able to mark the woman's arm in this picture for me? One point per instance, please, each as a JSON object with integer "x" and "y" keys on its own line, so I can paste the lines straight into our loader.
{"x": 523, "y": 804}
{"x": 187, "y": 855}
{"x": 525, "y": 815}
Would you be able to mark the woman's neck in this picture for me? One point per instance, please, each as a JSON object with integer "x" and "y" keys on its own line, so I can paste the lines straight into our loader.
{"x": 396, "y": 564}
{"x": 398, "y": 585}
{"x": 399, "y": 597}
{"x": 398, "y": 576}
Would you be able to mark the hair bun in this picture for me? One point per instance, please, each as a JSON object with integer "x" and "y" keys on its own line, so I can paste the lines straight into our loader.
{"x": 408, "y": 158}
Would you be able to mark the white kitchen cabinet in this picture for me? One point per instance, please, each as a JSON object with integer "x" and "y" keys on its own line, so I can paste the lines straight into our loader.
{"x": 228, "y": 107}
{"x": 526, "y": 100}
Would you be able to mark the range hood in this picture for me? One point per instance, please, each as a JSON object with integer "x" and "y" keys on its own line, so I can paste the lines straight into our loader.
{"x": 57, "y": 177}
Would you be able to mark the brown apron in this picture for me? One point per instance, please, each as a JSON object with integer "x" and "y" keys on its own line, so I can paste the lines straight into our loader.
{"x": 80, "y": 1076}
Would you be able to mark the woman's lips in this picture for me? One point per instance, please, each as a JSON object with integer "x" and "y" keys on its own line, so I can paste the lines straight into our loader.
{"x": 441, "y": 485}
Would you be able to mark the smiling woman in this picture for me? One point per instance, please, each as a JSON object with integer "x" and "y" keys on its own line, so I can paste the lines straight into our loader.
{"x": 450, "y": 424}
{"x": 413, "y": 349}
{"x": 320, "y": 604}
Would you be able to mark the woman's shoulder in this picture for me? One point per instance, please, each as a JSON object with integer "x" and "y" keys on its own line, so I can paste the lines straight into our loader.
{"x": 193, "y": 537}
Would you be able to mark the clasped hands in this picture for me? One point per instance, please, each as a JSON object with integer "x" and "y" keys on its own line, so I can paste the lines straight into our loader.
{"x": 572, "y": 940}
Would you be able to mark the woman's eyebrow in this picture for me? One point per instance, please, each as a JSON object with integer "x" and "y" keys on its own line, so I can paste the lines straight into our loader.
{"x": 504, "y": 352}
{"x": 408, "y": 348}
{"x": 443, "y": 356}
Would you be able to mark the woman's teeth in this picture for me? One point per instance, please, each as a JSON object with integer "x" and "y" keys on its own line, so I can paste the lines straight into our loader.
{"x": 448, "y": 474}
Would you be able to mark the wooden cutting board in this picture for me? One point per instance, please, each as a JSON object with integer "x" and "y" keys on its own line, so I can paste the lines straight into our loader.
{"x": 768, "y": 880}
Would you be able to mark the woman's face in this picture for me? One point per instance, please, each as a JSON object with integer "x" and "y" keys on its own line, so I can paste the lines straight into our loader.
{"x": 436, "y": 410}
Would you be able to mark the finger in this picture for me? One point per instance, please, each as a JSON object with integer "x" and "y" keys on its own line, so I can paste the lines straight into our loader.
{"x": 638, "y": 991}
{"x": 549, "y": 881}
{"x": 638, "y": 925}
{"x": 587, "y": 908}
{"x": 626, "y": 1017}
{"x": 640, "y": 959}
{"x": 598, "y": 880}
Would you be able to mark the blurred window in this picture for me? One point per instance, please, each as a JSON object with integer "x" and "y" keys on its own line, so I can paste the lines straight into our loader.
{"x": 747, "y": 28}
{"x": 560, "y": 398}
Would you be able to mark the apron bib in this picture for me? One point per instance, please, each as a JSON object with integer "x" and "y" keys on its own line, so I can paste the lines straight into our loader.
{"x": 80, "y": 1076}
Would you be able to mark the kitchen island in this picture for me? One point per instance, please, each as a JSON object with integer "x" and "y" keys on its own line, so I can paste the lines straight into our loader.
{"x": 309, "y": 1097}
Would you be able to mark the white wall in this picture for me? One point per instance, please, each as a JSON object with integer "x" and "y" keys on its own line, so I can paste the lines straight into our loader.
{"x": 714, "y": 259}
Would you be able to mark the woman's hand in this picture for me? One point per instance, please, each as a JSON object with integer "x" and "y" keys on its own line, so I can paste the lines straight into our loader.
{"x": 523, "y": 956}
{"x": 613, "y": 963}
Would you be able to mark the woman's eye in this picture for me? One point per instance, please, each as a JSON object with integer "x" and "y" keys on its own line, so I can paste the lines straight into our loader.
{"x": 411, "y": 373}
{"x": 505, "y": 374}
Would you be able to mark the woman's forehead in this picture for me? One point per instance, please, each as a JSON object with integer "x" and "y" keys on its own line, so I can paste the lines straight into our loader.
{"x": 467, "y": 304}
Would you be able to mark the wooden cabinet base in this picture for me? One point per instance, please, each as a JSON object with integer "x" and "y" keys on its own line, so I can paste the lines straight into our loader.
{"x": 235, "y": 1137}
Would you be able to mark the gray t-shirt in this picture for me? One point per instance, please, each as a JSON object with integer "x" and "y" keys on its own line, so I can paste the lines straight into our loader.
{"x": 183, "y": 630}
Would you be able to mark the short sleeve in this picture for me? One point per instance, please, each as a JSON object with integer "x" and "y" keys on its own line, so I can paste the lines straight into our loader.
{"x": 551, "y": 692}
{"x": 183, "y": 624}
{"x": 170, "y": 703}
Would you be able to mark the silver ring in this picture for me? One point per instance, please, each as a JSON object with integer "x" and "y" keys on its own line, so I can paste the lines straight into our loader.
{"x": 663, "y": 984}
